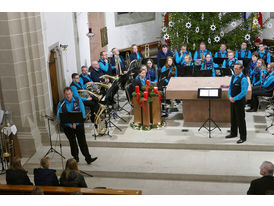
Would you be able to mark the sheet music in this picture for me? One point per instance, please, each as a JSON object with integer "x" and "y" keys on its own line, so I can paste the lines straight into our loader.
{"x": 204, "y": 93}
{"x": 213, "y": 92}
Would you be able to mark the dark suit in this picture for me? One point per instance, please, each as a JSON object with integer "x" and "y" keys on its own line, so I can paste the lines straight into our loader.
{"x": 261, "y": 186}
{"x": 133, "y": 56}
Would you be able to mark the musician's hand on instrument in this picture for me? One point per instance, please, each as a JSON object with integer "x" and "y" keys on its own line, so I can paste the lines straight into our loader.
{"x": 107, "y": 80}
{"x": 98, "y": 91}
{"x": 90, "y": 83}
{"x": 106, "y": 60}
{"x": 89, "y": 98}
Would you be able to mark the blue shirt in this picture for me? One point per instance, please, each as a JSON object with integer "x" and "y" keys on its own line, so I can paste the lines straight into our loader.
{"x": 189, "y": 64}
{"x": 104, "y": 66}
{"x": 204, "y": 53}
{"x": 256, "y": 72}
{"x": 242, "y": 54}
{"x": 181, "y": 59}
{"x": 229, "y": 62}
{"x": 252, "y": 66}
{"x": 265, "y": 74}
{"x": 82, "y": 81}
{"x": 75, "y": 91}
{"x": 269, "y": 80}
{"x": 164, "y": 69}
{"x": 152, "y": 73}
{"x": 223, "y": 54}
{"x": 207, "y": 65}
{"x": 244, "y": 87}
{"x": 268, "y": 56}
{"x": 69, "y": 106}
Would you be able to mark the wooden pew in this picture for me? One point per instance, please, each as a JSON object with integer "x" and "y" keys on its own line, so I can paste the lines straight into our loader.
{"x": 58, "y": 190}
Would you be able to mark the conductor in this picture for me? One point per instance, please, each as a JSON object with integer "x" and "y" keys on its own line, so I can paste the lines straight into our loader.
{"x": 75, "y": 130}
{"x": 236, "y": 93}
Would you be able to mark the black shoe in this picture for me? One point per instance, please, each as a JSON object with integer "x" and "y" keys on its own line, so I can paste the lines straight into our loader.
{"x": 230, "y": 136}
{"x": 251, "y": 110}
{"x": 90, "y": 160}
{"x": 240, "y": 141}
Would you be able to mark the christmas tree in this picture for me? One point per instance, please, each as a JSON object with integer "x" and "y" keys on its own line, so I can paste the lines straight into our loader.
{"x": 213, "y": 28}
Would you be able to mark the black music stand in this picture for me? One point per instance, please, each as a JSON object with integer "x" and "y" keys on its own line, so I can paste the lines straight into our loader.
{"x": 73, "y": 117}
{"x": 187, "y": 71}
{"x": 162, "y": 62}
{"x": 226, "y": 72}
{"x": 122, "y": 82}
{"x": 209, "y": 93}
{"x": 246, "y": 62}
{"x": 51, "y": 149}
{"x": 203, "y": 73}
{"x": 219, "y": 60}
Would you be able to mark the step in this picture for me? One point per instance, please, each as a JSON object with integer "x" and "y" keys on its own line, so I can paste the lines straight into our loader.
{"x": 168, "y": 164}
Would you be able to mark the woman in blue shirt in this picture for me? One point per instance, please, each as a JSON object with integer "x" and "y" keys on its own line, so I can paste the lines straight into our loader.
{"x": 252, "y": 64}
{"x": 171, "y": 67}
{"x": 209, "y": 64}
{"x": 187, "y": 60}
{"x": 152, "y": 71}
{"x": 256, "y": 77}
{"x": 140, "y": 80}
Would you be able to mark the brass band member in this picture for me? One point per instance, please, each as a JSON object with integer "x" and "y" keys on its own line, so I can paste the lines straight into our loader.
{"x": 85, "y": 79}
{"x": 118, "y": 64}
{"x": 91, "y": 102}
{"x": 152, "y": 72}
{"x": 135, "y": 54}
{"x": 104, "y": 63}
{"x": 171, "y": 67}
{"x": 96, "y": 73}
{"x": 75, "y": 130}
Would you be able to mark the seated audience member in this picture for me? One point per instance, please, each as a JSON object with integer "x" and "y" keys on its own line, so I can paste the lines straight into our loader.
{"x": 37, "y": 191}
{"x": 164, "y": 53}
{"x": 135, "y": 54}
{"x": 209, "y": 64}
{"x": 118, "y": 64}
{"x": 265, "y": 90}
{"x": 85, "y": 79}
{"x": 172, "y": 69}
{"x": 71, "y": 176}
{"x": 96, "y": 73}
{"x": 256, "y": 77}
{"x": 44, "y": 176}
{"x": 265, "y": 184}
{"x": 104, "y": 63}
{"x": 152, "y": 73}
{"x": 252, "y": 64}
{"x": 180, "y": 55}
{"x": 263, "y": 54}
{"x": 16, "y": 174}
{"x": 243, "y": 52}
{"x": 187, "y": 60}
{"x": 141, "y": 78}
{"x": 202, "y": 52}
{"x": 222, "y": 53}
{"x": 231, "y": 61}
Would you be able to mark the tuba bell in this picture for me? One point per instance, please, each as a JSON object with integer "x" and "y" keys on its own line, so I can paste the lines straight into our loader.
{"x": 99, "y": 121}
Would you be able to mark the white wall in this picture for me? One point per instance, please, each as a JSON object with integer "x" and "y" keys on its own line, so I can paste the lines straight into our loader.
{"x": 268, "y": 33}
{"x": 58, "y": 27}
{"x": 124, "y": 36}
{"x": 82, "y": 24}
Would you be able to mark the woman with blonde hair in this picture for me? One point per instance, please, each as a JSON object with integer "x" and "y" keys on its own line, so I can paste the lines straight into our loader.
{"x": 71, "y": 176}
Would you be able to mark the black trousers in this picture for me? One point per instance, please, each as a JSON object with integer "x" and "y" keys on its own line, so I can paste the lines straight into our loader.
{"x": 237, "y": 113}
{"x": 94, "y": 107}
{"x": 258, "y": 91}
{"x": 79, "y": 134}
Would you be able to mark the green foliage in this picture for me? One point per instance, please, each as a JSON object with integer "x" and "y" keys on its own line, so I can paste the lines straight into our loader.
{"x": 233, "y": 36}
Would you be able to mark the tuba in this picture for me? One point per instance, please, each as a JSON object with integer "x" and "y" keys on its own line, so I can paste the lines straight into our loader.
{"x": 109, "y": 77}
{"x": 100, "y": 84}
{"x": 99, "y": 121}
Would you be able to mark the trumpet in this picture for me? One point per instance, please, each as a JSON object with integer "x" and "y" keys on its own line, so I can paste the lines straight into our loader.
{"x": 85, "y": 91}
{"x": 105, "y": 76}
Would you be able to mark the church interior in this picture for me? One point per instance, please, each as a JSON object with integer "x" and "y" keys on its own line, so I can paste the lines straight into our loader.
{"x": 177, "y": 155}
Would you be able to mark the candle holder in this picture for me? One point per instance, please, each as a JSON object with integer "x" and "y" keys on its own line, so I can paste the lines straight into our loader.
{"x": 7, "y": 119}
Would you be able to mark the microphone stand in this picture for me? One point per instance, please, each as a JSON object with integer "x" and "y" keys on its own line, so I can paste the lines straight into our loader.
{"x": 58, "y": 134}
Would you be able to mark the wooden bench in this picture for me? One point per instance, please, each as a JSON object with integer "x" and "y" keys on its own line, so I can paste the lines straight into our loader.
{"x": 58, "y": 190}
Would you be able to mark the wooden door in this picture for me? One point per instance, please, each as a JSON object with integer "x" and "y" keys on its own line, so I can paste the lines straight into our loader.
{"x": 53, "y": 81}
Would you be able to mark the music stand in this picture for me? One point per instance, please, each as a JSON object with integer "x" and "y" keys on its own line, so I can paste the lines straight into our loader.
{"x": 51, "y": 149}
{"x": 73, "y": 117}
{"x": 209, "y": 93}
{"x": 203, "y": 73}
{"x": 219, "y": 60}
{"x": 246, "y": 62}
{"x": 226, "y": 72}
{"x": 187, "y": 71}
{"x": 162, "y": 62}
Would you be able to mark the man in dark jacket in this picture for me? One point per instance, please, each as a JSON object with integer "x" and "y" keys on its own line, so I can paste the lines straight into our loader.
{"x": 44, "y": 176}
{"x": 265, "y": 184}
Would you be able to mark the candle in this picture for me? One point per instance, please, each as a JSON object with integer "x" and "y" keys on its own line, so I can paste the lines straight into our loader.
{"x": 156, "y": 90}
{"x": 137, "y": 89}
{"x": 90, "y": 30}
{"x": 145, "y": 95}
{"x": 148, "y": 83}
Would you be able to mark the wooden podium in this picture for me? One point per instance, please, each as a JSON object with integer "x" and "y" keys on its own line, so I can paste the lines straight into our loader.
{"x": 196, "y": 110}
